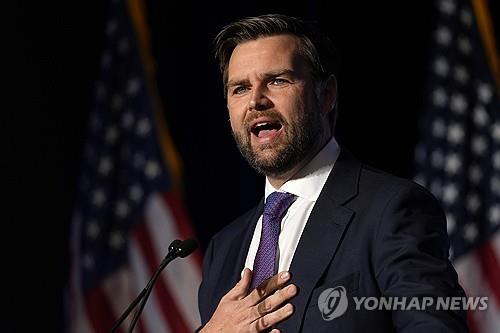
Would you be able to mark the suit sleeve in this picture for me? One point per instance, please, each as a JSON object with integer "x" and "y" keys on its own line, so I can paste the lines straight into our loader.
{"x": 411, "y": 260}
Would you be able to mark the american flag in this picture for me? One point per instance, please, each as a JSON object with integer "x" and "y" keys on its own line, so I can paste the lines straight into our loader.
{"x": 129, "y": 207}
{"x": 458, "y": 155}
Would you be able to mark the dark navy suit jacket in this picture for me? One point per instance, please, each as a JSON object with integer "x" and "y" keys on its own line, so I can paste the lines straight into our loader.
{"x": 373, "y": 234}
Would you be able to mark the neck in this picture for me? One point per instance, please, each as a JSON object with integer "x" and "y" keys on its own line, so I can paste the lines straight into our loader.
{"x": 277, "y": 180}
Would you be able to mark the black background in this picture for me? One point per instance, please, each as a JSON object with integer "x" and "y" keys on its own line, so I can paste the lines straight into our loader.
{"x": 384, "y": 49}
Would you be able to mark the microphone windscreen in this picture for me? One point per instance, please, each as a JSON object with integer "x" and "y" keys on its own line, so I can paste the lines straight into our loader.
{"x": 174, "y": 245}
{"x": 187, "y": 247}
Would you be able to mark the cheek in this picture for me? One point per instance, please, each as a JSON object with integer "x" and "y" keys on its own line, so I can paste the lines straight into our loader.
{"x": 293, "y": 107}
{"x": 235, "y": 118}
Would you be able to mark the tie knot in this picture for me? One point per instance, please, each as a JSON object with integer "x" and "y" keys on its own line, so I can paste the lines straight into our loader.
{"x": 277, "y": 204}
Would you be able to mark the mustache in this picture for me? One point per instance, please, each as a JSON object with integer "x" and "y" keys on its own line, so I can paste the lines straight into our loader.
{"x": 273, "y": 115}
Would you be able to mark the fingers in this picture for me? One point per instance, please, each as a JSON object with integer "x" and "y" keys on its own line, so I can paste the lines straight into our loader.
{"x": 240, "y": 290}
{"x": 273, "y": 318}
{"x": 272, "y": 302}
{"x": 268, "y": 287}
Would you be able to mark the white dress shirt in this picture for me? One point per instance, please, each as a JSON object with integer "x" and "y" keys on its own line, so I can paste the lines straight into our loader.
{"x": 306, "y": 185}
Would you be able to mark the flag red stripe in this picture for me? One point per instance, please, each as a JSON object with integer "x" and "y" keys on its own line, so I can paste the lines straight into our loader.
{"x": 175, "y": 203}
{"x": 140, "y": 326}
{"x": 490, "y": 267}
{"x": 99, "y": 310}
{"x": 167, "y": 304}
{"x": 471, "y": 321}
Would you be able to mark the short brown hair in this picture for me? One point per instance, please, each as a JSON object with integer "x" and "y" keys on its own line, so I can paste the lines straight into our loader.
{"x": 316, "y": 48}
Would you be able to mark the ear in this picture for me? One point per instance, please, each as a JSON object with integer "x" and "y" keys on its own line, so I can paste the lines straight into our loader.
{"x": 329, "y": 95}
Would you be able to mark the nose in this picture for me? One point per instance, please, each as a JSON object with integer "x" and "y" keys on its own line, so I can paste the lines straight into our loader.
{"x": 259, "y": 101}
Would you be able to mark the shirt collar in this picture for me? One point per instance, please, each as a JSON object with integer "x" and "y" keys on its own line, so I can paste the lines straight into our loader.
{"x": 309, "y": 181}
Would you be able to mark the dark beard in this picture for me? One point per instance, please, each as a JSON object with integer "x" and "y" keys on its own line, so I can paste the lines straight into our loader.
{"x": 299, "y": 138}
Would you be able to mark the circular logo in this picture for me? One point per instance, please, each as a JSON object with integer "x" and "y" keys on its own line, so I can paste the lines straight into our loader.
{"x": 332, "y": 303}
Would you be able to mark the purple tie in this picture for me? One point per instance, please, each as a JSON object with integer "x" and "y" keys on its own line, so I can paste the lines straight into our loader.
{"x": 277, "y": 204}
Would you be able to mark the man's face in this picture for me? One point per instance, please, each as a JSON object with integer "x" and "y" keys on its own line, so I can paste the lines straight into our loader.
{"x": 273, "y": 108}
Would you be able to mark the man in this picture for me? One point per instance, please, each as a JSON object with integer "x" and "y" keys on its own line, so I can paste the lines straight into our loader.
{"x": 333, "y": 227}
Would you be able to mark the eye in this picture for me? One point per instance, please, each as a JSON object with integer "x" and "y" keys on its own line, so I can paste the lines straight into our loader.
{"x": 239, "y": 90}
{"x": 278, "y": 82}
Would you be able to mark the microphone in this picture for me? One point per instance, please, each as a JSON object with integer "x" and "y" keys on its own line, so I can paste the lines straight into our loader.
{"x": 176, "y": 249}
{"x": 186, "y": 247}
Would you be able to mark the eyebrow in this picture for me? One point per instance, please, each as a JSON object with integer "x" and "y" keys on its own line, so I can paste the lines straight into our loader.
{"x": 264, "y": 76}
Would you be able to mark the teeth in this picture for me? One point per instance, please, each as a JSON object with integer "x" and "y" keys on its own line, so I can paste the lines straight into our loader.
{"x": 261, "y": 124}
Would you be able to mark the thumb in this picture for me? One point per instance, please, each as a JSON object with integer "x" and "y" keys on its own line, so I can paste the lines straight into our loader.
{"x": 240, "y": 290}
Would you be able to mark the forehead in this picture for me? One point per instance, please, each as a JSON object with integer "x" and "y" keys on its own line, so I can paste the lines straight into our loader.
{"x": 264, "y": 54}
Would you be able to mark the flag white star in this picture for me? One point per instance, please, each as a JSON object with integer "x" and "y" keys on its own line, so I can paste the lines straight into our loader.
{"x": 480, "y": 116}
{"x": 495, "y": 131}
{"x": 143, "y": 127}
{"x": 475, "y": 174}
{"x": 441, "y": 66}
{"x": 447, "y": 7}
{"x": 495, "y": 185}
{"x": 136, "y": 192}
{"x": 127, "y": 119}
{"x": 484, "y": 93}
{"x": 133, "y": 86}
{"x": 98, "y": 197}
{"x": 443, "y": 35}
{"x": 116, "y": 240}
{"x": 111, "y": 135}
{"x": 479, "y": 145}
{"x": 473, "y": 203}
{"x": 152, "y": 169}
{"x": 453, "y": 164}
{"x": 438, "y": 128}
{"x": 88, "y": 261}
{"x": 460, "y": 74}
{"x": 496, "y": 160}
{"x": 470, "y": 232}
{"x": 466, "y": 17}
{"x": 105, "y": 166}
{"x": 494, "y": 214}
{"x": 455, "y": 133}
{"x": 458, "y": 103}
{"x": 450, "y": 193}
{"x": 464, "y": 45}
{"x": 93, "y": 230}
{"x": 122, "y": 209}
{"x": 439, "y": 97}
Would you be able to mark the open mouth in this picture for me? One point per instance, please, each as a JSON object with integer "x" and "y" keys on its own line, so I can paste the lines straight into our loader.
{"x": 266, "y": 129}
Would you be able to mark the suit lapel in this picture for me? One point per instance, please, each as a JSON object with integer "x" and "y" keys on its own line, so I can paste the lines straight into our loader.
{"x": 322, "y": 235}
{"x": 237, "y": 253}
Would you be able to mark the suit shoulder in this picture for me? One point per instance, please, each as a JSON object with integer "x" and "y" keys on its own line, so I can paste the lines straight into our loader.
{"x": 384, "y": 182}
{"x": 236, "y": 225}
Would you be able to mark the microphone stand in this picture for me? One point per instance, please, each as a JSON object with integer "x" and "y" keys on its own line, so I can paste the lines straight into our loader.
{"x": 174, "y": 250}
{"x": 147, "y": 290}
